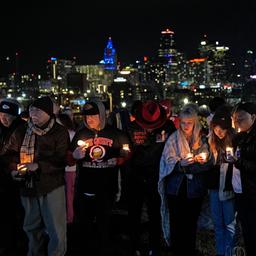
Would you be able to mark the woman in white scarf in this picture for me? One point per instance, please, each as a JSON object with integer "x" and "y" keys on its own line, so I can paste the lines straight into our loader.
{"x": 184, "y": 162}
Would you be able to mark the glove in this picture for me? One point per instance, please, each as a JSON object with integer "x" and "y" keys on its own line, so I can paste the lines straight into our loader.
{"x": 79, "y": 153}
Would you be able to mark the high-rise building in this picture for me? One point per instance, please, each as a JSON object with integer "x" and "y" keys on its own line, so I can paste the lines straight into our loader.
{"x": 217, "y": 63}
{"x": 249, "y": 65}
{"x": 166, "y": 48}
{"x": 110, "y": 58}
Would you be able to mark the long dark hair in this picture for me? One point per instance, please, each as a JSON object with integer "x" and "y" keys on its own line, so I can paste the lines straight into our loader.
{"x": 219, "y": 145}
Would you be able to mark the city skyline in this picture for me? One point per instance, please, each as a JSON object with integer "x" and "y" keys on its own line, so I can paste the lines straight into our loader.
{"x": 38, "y": 33}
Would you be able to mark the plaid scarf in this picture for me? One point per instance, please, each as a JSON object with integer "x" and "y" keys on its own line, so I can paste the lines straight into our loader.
{"x": 27, "y": 149}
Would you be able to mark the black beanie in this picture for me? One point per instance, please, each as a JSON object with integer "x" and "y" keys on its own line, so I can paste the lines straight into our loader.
{"x": 9, "y": 107}
{"x": 222, "y": 118}
{"x": 45, "y": 104}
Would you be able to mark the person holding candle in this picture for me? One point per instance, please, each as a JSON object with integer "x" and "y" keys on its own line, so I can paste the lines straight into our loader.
{"x": 222, "y": 202}
{"x": 40, "y": 147}
{"x": 244, "y": 116}
{"x": 99, "y": 151}
{"x": 181, "y": 183}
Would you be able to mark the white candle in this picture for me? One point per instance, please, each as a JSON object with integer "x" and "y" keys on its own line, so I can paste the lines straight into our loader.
{"x": 229, "y": 152}
{"x": 126, "y": 147}
{"x": 82, "y": 143}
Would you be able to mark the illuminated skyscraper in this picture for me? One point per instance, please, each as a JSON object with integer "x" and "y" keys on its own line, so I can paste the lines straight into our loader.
{"x": 110, "y": 60}
{"x": 166, "y": 47}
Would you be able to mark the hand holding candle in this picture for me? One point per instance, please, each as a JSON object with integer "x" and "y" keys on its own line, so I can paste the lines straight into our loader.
{"x": 189, "y": 159}
{"x": 126, "y": 147}
{"x": 202, "y": 157}
{"x": 79, "y": 152}
{"x": 22, "y": 169}
{"x": 82, "y": 143}
{"x": 229, "y": 153}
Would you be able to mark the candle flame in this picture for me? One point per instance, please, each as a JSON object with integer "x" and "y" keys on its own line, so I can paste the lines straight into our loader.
{"x": 126, "y": 147}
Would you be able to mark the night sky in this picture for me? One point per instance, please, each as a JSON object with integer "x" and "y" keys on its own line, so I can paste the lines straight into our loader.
{"x": 81, "y": 29}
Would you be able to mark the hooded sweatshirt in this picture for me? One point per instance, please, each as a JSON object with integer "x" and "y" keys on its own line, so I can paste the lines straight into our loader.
{"x": 98, "y": 170}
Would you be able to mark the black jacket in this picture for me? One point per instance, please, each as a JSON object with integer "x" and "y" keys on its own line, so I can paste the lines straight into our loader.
{"x": 147, "y": 149}
{"x": 247, "y": 161}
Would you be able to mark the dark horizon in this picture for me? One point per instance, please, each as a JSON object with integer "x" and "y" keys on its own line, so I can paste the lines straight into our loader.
{"x": 38, "y": 33}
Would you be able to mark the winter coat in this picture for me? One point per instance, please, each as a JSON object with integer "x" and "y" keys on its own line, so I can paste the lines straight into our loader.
{"x": 50, "y": 154}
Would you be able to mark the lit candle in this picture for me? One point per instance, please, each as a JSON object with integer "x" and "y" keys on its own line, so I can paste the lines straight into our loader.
{"x": 238, "y": 130}
{"x": 82, "y": 143}
{"x": 229, "y": 152}
{"x": 126, "y": 147}
{"x": 21, "y": 168}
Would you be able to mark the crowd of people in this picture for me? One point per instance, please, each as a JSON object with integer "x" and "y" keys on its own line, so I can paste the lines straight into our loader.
{"x": 55, "y": 173}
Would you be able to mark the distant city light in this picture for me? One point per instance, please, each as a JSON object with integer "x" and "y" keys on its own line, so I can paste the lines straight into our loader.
{"x": 198, "y": 60}
{"x": 53, "y": 59}
{"x": 203, "y": 42}
{"x": 125, "y": 72}
{"x": 120, "y": 79}
{"x": 201, "y": 86}
{"x": 253, "y": 76}
{"x": 123, "y": 104}
{"x": 222, "y": 48}
{"x": 186, "y": 101}
{"x": 167, "y": 31}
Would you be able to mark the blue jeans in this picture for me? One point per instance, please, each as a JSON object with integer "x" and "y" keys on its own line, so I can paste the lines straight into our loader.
{"x": 223, "y": 216}
{"x": 46, "y": 215}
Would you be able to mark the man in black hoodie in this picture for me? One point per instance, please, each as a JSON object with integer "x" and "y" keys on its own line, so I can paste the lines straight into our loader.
{"x": 99, "y": 150}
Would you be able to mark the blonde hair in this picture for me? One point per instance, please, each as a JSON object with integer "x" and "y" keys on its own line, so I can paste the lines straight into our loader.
{"x": 189, "y": 111}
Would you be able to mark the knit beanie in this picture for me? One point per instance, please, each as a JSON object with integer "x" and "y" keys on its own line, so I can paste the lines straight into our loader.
{"x": 45, "y": 104}
{"x": 10, "y": 107}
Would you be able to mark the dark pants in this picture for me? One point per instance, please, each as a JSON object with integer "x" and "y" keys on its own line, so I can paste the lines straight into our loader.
{"x": 246, "y": 208}
{"x": 140, "y": 192}
{"x": 91, "y": 211}
{"x": 184, "y": 213}
{"x": 12, "y": 237}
